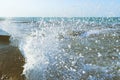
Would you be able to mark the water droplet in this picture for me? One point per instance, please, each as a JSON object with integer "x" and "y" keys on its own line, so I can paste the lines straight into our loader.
{"x": 81, "y": 55}
{"x": 113, "y": 57}
{"x": 96, "y": 41}
{"x": 86, "y": 47}
{"x": 114, "y": 34}
{"x": 63, "y": 50}
{"x": 117, "y": 41}
{"x": 119, "y": 53}
{"x": 117, "y": 50}
{"x": 69, "y": 46}
{"x": 99, "y": 54}
{"x": 51, "y": 75}
{"x": 83, "y": 72}
{"x": 72, "y": 69}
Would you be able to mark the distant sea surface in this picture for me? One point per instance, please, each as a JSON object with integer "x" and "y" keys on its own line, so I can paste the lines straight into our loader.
{"x": 59, "y": 48}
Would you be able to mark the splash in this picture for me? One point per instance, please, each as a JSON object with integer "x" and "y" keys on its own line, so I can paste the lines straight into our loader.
{"x": 66, "y": 48}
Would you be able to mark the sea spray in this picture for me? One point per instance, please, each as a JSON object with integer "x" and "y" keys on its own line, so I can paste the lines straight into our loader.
{"x": 39, "y": 46}
{"x": 67, "y": 48}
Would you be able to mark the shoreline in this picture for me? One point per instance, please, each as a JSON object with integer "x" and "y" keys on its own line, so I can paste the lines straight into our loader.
{"x": 11, "y": 63}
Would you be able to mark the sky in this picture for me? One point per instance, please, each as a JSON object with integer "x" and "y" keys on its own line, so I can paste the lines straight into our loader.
{"x": 59, "y": 8}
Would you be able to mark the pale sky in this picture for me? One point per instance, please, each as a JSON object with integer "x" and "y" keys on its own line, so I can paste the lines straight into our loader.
{"x": 59, "y": 8}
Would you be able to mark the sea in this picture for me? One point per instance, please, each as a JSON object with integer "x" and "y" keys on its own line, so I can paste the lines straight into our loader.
{"x": 61, "y": 48}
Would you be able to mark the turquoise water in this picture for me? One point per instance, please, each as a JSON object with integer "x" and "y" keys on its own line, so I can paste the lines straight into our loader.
{"x": 67, "y": 48}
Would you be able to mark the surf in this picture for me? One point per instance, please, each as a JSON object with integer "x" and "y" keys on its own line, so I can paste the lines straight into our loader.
{"x": 65, "y": 48}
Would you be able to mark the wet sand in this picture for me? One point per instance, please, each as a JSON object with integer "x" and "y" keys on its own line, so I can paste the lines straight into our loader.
{"x": 11, "y": 62}
{"x": 4, "y": 39}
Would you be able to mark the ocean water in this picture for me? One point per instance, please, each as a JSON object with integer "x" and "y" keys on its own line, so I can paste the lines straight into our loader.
{"x": 59, "y": 48}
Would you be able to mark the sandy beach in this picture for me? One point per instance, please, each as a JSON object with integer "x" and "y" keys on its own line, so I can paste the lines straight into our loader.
{"x": 11, "y": 62}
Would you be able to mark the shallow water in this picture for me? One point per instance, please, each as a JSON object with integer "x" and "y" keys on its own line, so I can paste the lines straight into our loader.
{"x": 67, "y": 48}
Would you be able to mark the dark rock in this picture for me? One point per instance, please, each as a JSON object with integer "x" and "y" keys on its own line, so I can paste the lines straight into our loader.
{"x": 4, "y": 37}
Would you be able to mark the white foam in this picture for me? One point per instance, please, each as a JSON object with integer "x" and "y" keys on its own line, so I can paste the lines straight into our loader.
{"x": 47, "y": 56}
{"x": 37, "y": 50}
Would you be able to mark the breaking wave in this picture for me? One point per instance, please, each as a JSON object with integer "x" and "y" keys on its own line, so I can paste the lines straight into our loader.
{"x": 67, "y": 48}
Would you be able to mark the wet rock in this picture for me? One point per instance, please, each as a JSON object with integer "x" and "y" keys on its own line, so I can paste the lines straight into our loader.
{"x": 11, "y": 62}
{"x": 4, "y": 37}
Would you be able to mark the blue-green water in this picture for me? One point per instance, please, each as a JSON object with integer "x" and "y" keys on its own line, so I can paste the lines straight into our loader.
{"x": 67, "y": 48}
